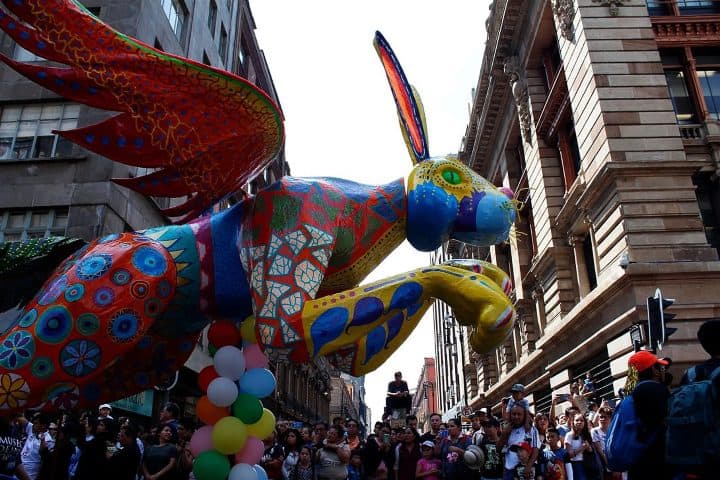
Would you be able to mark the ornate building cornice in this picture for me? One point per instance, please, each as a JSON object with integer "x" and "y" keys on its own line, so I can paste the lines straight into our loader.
{"x": 564, "y": 11}
{"x": 684, "y": 31}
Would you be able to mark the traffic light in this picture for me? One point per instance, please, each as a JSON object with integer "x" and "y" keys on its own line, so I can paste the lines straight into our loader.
{"x": 658, "y": 332}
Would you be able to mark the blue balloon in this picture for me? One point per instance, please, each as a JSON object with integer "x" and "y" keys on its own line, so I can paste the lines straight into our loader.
{"x": 258, "y": 382}
{"x": 261, "y": 474}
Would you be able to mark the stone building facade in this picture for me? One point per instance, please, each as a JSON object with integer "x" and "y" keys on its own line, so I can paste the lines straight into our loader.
{"x": 425, "y": 399}
{"x": 604, "y": 119}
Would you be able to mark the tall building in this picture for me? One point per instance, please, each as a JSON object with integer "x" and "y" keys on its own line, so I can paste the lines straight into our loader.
{"x": 53, "y": 187}
{"x": 603, "y": 117}
{"x": 425, "y": 398}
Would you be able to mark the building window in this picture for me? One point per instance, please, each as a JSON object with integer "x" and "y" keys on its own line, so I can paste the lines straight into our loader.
{"x": 212, "y": 17}
{"x": 223, "y": 43}
{"x": 569, "y": 150}
{"x": 20, "y": 225}
{"x": 26, "y": 130}
{"x": 708, "y": 197}
{"x": 673, "y": 64}
{"x": 707, "y": 62}
{"x": 682, "y": 7}
{"x": 176, "y": 13}
{"x": 589, "y": 255}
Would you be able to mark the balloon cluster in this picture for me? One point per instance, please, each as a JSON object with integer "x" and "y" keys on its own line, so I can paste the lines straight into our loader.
{"x": 235, "y": 421}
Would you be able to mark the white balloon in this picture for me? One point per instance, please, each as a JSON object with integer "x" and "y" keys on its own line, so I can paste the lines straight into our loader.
{"x": 242, "y": 471}
{"x": 222, "y": 392}
{"x": 229, "y": 362}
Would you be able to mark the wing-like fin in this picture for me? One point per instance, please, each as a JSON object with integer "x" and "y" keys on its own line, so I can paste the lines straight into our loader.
{"x": 115, "y": 139}
{"x": 214, "y": 129}
{"x": 191, "y": 204}
{"x": 161, "y": 183}
{"x": 407, "y": 100}
{"x": 28, "y": 38}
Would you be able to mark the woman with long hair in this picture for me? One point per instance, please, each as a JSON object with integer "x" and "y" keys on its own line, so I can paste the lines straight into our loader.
{"x": 291, "y": 442}
{"x": 578, "y": 445}
{"x": 159, "y": 460}
{"x": 92, "y": 448}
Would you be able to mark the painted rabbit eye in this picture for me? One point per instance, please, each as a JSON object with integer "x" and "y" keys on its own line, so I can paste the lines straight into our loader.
{"x": 452, "y": 176}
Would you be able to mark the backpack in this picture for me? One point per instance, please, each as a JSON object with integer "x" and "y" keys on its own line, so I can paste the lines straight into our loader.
{"x": 624, "y": 444}
{"x": 693, "y": 433}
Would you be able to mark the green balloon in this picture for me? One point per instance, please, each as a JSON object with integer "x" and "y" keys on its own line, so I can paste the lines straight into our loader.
{"x": 247, "y": 408}
{"x": 211, "y": 465}
{"x": 212, "y": 349}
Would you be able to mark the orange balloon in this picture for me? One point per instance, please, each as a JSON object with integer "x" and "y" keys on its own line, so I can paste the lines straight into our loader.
{"x": 207, "y": 412}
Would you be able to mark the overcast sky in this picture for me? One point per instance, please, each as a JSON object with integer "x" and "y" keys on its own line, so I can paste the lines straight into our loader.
{"x": 340, "y": 115}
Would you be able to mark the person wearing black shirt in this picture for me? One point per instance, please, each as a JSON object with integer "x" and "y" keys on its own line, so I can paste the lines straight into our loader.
{"x": 124, "y": 462}
{"x": 651, "y": 403}
{"x": 398, "y": 394}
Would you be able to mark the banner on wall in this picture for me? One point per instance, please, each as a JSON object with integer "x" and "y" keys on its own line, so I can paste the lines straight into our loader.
{"x": 140, "y": 403}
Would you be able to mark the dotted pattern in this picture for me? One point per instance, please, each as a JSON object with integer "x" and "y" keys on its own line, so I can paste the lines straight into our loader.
{"x": 98, "y": 304}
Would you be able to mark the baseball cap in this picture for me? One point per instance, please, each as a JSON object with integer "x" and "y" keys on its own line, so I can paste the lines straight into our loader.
{"x": 518, "y": 387}
{"x": 521, "y": 446}
{"x": 643, "y": 360}
{"x": 105, "y": 405}
{"x": 428, "y": 443}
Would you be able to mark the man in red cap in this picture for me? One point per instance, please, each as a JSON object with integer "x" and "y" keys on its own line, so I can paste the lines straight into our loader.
{"x": 651, "y": 402}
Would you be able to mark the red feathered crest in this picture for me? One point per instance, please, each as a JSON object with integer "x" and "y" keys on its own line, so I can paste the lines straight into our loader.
{"x": 208, "y": 131}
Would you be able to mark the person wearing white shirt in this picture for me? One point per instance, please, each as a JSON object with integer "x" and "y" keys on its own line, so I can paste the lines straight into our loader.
{"x": 517, "y": 433}
{"x": 30, "y": 454}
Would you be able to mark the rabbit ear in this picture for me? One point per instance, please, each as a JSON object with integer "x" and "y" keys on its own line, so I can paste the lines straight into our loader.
{"x": 407, "y": 100}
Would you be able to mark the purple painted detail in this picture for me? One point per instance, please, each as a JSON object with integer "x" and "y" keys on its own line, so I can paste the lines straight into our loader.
{"x": 465, "y": 221}
{"x": 367, "y": 310}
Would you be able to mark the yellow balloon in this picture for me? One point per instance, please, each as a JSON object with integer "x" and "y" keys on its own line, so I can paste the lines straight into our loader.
{"x": 247, "y": 329}
{"x": 263, "y": 427}
{"x": 229, "y": 435}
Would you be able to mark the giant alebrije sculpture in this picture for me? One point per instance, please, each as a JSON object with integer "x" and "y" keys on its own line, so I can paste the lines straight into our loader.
{"x": 124, "y": 312}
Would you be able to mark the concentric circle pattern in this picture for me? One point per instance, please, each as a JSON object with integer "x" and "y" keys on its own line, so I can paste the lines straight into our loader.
{"x": 124, "y": 326}
{"x": 54, "y": 325}
{"x": 149, "y": 261}
{"x": 94, "y": 266}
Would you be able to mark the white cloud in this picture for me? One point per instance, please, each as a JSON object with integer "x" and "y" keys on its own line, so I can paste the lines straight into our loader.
{"x": 340, "y": 115}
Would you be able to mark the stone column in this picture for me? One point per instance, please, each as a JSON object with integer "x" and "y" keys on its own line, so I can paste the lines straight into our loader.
{"x": 526, "y": 323}
{"x": 583, "y": 281}
{"x": 539, "y": 299}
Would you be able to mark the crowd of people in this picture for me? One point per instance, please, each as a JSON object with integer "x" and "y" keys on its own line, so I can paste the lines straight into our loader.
{"x": 39, "y": 446}
{"x": 567, "y": 442}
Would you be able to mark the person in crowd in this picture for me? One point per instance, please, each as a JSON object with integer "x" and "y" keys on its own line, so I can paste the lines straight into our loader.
{"x": 412, "y": 422}
{"x": 492, "y": 469}
{"x": 398, "y": 395}
{"x": 105, "y": 411}
{"x": 517, "y": 397}
{"x": 525, "y": 467}
{"x": 320, "y": 434}
{"x": 353, "y": 437}
{"x": 578, "y": 444}
{"x": 516, "y": 433}
{"x": 281, "y": 426}
{"x": 428, "y": 466}
{"x": 20, "y": 427}
{"x": 124, "y": 462}
{"x": 291, "y": 443}
{"x": 56, "y": 461}
{"x": 273, "y": 457}
{"x": 169, "y": 414}
{"x": 587, "y": 389}
{"x": 306, "y": 434}
{"x": 40, "y": 438}
{"x": 355, "y": 467}
{"x": 435, "y": 421}
{"x": 407, "y": 454}
{"x": 186, "y": 428}
{"x": 578, "y": 399}
{"x": 476, "y": 421}
{"x": 646, "y": 384}
{"x": 333, "y": 457}
{"x": 151, "y": 436}
{"x": 92, "y": 449}
{"x": 556, "y": 459}
{"x": 709, "y": 336}
{"x": 305, "y": 469}
{"x": 598, "y": 435}
{"x": 160, "y": 461}
{"x": 10, "y": 447}
{"x": 542, "y": 423}
{"x": 591, "y": 414}
{"x": 451, "y": 450}
{"x": 375, "y": 448}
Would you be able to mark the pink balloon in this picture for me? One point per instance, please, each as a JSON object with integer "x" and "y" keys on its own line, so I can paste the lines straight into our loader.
{"x": 254, "y": 357}
{"x": 252, "y": 452}
{"x": 201, "y": 440}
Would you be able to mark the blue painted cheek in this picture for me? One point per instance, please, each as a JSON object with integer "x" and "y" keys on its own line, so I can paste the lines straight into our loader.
{"x": 494, "y": 217}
